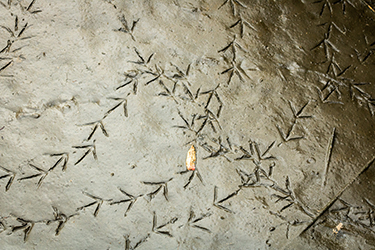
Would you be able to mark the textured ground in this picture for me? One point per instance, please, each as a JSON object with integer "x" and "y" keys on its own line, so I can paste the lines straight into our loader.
{"x": 101, "y": 101}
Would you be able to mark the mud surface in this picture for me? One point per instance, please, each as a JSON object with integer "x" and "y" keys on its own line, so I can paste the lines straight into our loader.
{"x": 101, "y": 101}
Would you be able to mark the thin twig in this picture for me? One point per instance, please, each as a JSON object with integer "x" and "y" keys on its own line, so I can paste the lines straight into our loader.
{"x": 328, "y": 156}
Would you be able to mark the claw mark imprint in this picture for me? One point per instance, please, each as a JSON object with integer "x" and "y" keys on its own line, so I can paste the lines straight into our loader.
{"x": 238, "y": 70}
{"x": 162, "y": 185}
{"x": 131, "y": 199}
{"x": 131, "y": 77}
{"x": 156, "y": 229}
{"x": 90, "y": 149}
{"x": 242, "y": 23}
{"x": 221, "y": 151}
{"x": 126, "y": 28}
{"x": 2, "y": 226}
{"x": 122, "y": 102}
{"x": 6, "y": 65}
{"x": 98, "y": 202}
{"x": 7, "y": 5}
{"x": 158, "y": 74}
{"x": 61, "y": 218}
{"x": 213, "y": 93}
{"x": 288, "y": 195}
{"x": 187, "y": 126}
{"x": 193, "y": 173}
{"x": 253, "y": 179}
{"x": 288, "y": 223}
{"x": 208, "y": 118}
{"x": 369, "y": 50}
{"x": 127, "y": 242}
{"x": 360, "y": 95}
{"x": 141, "y": 60}
{"x": 26, "y": 225}
{"x": 255, "y": 154}
{"x": 30, "y": 7}
{"x": 167, "y": 91}
{"x": 328, "y": 47}
{"x": 192, "y": 220}
{"x": 217, "y": 203}
{"x": 343, "y": 5}
{"x": 334, "y": 68}
{"x": 232, "y": 46}
{"x": 64, "y": 158}
{"x": 10, "y": 174}
{"x": 181, "y": 75}
{"x": 326, "y": 4}
{"x": 233, "y": 4}
{"x": 288, "y": 137}
{"x": 42, "y": 173}
{"x": 14, "y": 37}
{"x": 297, "y": 114}
{"x": 327, "y": 91}
{"x": 96, "y": 125}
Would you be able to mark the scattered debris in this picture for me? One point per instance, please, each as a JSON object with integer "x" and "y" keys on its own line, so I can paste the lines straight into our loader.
{"x": 337, "y": 229}
{"x": 191, "y": 159}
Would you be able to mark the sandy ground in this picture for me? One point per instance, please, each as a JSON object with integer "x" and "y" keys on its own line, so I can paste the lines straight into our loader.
{"x": 101, "y": 101}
